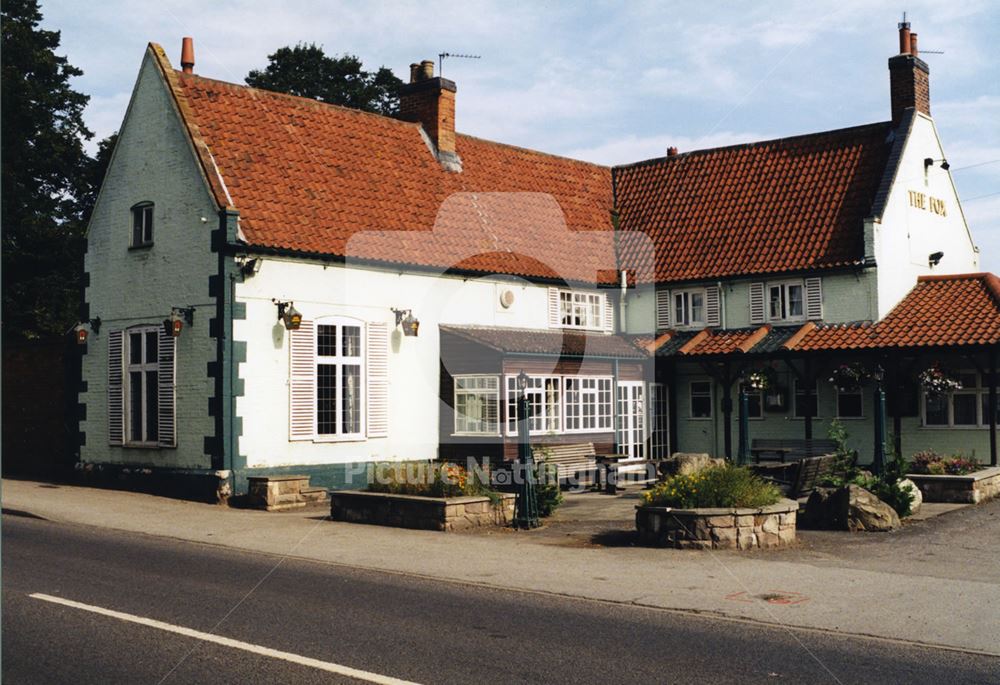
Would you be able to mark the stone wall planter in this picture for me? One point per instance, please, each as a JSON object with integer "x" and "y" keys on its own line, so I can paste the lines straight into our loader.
{"x": 972, "y": 488}
{"x": 423, "y": 513}
{"x": 727, "y": 528}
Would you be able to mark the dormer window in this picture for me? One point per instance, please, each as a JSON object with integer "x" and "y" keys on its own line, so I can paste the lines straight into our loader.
{"x": 142, "y": 224}
{"x": 581, "y": 310}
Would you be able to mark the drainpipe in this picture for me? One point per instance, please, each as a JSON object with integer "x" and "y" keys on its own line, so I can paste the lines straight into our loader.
{"x": 622, "y": 305}
{"x": 722, "y": 302}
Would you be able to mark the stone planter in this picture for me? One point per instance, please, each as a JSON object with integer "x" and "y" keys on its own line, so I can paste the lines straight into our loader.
{"x": 423, "y": 513}
{"x": 743, "y": 528}
{"x": 971, "y": 488}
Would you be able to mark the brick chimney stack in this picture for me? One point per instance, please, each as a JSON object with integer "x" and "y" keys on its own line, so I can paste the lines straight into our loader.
{"x": 909, "y": 77}
{"x": 430, "y": 101}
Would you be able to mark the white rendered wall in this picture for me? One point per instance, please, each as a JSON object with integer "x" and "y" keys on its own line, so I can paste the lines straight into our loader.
{"x": 908, "y": 234}
{"x": 414, "y": 362}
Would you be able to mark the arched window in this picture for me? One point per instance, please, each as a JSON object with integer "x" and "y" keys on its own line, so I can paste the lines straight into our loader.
{"x": 142, "y": 224}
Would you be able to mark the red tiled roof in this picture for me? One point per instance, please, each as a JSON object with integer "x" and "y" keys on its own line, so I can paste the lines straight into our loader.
{"x": 780, "y": 205}
{"x": 550, "y": 343}
{"x": 712, "y": 341}
{"x": 940, "y": 311}
{"x": 315, "y": 178}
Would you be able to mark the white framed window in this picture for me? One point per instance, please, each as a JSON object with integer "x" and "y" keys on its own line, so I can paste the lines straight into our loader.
{"x": 701, "y": 399}
{"x": 850, "y": 405}
{"x": 803, "y": 403}
{"x": 141, "y": 387}
{"x": 581, "y": 310}
{"x": 588, "y": 404}
{"x": 785, "y": 301}
{"x": 477, "y": 405}
{"x": 544, "y": 400}
{"x": 689, "y": 308}
{"x": 142, "y": 225}
{"x": 965, "y": 408}
{"x": 339, "y": 379}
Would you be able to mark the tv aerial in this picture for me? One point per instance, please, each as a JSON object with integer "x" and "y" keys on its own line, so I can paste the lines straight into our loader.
{"x": 443, "y": 55}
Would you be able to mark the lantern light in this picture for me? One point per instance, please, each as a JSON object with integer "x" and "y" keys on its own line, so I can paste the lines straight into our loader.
{"x": 289, "y": 315}
{"x": 172, "y": 327}
{"x": 81, "y": 335}
{"x": 409, "y": 323}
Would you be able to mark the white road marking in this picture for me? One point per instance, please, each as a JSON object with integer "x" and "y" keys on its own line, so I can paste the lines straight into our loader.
{"x": 229, "y": 642}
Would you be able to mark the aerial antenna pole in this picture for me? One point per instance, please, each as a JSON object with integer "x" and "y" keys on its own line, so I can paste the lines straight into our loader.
{"x": 442, "y": 55}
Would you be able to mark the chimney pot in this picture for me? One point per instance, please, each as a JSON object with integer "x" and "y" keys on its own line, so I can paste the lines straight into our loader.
{"x": 187, "y": 55}
{"x": 913, "y": 45}
{"x": 904, "y": 38}
{"x": 426, "y": 69}
{"x": 671, "y": 151}
{"x": 414, "y": 72}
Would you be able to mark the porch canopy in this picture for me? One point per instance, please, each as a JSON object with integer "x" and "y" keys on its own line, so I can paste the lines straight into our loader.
{"x": 951, "y": 319}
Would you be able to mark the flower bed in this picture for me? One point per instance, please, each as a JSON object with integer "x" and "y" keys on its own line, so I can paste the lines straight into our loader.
{"x": 724, "y": 485}
{"x": 718, "y": 528}
{"x": 970, "y": 488}
{"x": 423, "y": 513}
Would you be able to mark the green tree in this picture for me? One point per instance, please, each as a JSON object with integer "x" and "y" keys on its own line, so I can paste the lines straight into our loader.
{"x": 305, "y": 70}
{"x": 43, "y": 177}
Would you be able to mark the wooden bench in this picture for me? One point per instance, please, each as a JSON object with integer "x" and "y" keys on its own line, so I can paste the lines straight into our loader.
{"x": 571, "y": 461}
{"x": 799, "y": 479}
{"x": 791, "y": 449}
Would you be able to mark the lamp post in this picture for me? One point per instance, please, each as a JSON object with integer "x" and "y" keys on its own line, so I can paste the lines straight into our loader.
{"x": 743, "y": 452}
{"x": 526, "y": 507}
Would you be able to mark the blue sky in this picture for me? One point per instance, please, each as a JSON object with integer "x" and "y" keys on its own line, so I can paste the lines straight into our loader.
{"x": 603, "y": 81}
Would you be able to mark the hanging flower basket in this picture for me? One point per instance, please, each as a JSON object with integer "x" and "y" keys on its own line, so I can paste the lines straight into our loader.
{"x": 760, "y": 379}
{"x": 849, "y": 377}
{"x": 936, "y": 382}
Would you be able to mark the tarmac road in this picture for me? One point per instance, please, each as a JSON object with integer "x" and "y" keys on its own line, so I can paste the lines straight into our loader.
{"x": 324, "y": 619}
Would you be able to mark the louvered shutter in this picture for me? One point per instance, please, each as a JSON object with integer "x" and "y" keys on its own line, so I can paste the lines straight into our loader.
{"x": 662, "y": 309}
{"x": 554, "y": 319}
{"x": 814, "y": 298}
{"x": 757, "y": 312}
{"x": 377, "y": 370}
{"x": 166, "y": 395}
{"x": 116, "y": 400}
{"x": 713, "y": 307}
{"x": 302, "y": 382}
{"x": 609, "y": 314}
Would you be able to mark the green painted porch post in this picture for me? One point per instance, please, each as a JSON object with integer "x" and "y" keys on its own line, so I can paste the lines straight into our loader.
{"x": 878, "y": 462}
{"x": 743, "y": 453}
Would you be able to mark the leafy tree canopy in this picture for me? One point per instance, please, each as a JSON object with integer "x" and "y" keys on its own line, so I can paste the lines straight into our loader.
{"x": 305, "y": 70}
{"x": 43, "y": 177}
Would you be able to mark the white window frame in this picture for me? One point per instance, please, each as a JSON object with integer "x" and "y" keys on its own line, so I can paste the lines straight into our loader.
{"x": 339, "y": 361}
{"x": 581, "y": 306}
{"x": 861, "y": 396}
{"x": 682, "y": 314}
{"x": 144, "y": 367}
{"x": 711, "y": 400}
{"x": 785, "y": 299}
{"x": 981, "y": 391}
{"x": 478, "y": 392}
{"x": 588, "y": 397}
{"x": 143, "y": 212}
{"x": 795, "y": 395}
{"x": 550, "y": 422}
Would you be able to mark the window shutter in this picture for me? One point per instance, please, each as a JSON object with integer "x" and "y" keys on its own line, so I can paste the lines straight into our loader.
{"x": 554, "y": 319}
{"x": 609, "y": 314}
{"x": 713, "y": 307}
{"x": 166, "y": 382}
{"x": 116, "y": 400}
{"x": 814, "y": 298}
{"x": 662, "y": 309}
{"x": 302, "y": 382}
{"x": 757, "y": 313}
{"x": 377, "y": 370}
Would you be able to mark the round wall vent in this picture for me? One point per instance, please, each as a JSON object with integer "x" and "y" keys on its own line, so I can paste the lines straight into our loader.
{"x": 507, "y": 298}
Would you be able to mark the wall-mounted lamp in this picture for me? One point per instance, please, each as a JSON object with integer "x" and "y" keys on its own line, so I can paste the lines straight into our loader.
{"x": 934, "y": 258}
{"x": 522, "y": 381}
{"x": 929, "y": 161}
{"x": 405, "y": 318}
{"x": 81, "y": 334}
{"x": 249, "y": 265}
{"x": 172, "y": 327}
{"x": 288, "y": 315}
